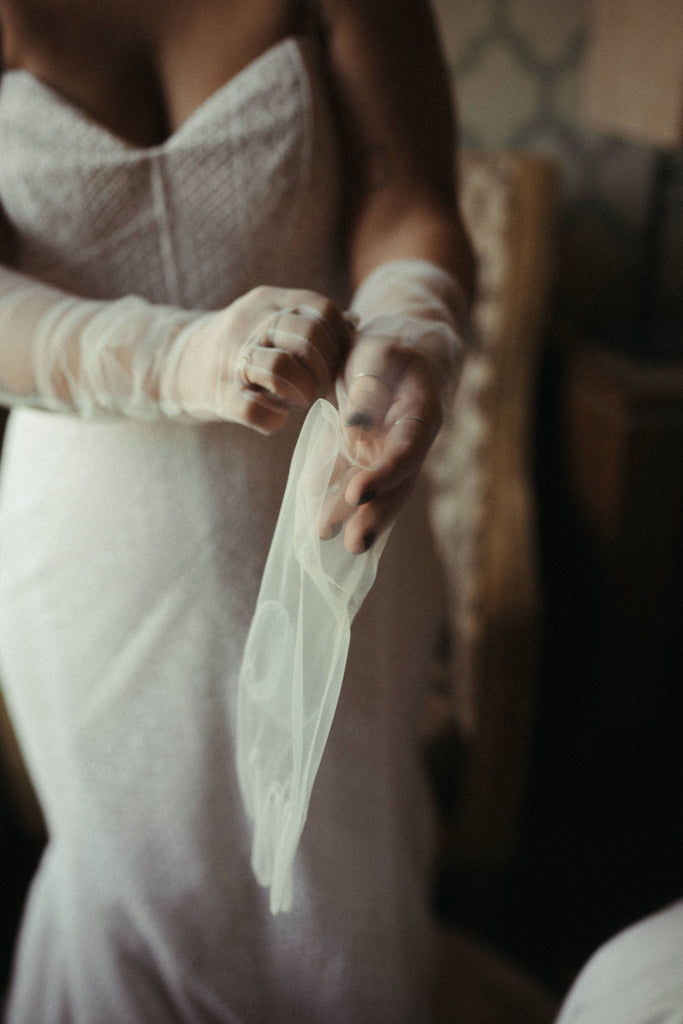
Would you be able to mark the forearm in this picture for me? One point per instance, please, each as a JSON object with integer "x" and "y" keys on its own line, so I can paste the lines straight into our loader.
{"x": 415, "y": 267}
{"x": 269, "y": 351}
{"x": 72, "y": 355}
{"x": 399, "y": 136}
{"x": 409, "y": 226}
{"x": 409, "y": 256}
{"x": 415, "y": 304}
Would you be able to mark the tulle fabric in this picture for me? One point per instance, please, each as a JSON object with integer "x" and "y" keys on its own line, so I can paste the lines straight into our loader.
{"x": 296, "y": 652}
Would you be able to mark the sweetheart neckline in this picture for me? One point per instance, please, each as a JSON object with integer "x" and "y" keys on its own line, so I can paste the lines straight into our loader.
{"x": 294, "y": 45}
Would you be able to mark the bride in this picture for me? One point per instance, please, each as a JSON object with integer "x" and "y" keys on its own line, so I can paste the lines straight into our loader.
{"x": 215, "y": 211}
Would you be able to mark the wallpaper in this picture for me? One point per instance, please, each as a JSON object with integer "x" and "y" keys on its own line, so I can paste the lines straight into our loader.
{"x": 517, "y": 72}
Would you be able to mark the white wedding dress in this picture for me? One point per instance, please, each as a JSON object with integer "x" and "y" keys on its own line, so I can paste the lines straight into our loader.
{"x": 130, "y": 560}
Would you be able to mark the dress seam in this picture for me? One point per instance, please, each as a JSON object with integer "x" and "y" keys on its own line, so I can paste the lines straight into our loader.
{"x": 299, "y": 61}
{"x": 166, "y": 248}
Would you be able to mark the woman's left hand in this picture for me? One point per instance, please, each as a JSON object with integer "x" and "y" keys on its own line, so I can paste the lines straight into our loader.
{"x": 391, "y": 410}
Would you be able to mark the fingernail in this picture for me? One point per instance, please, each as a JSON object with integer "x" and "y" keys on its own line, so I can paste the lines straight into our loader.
{"x": 335, "y": 529}
{"x": 369, "y": 541}
{"x": 366, "y": 496}
{"x": 360, "y": 419}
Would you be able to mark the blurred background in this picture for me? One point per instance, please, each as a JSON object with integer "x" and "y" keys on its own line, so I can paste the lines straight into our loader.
{"x": 524, "y": 81}
{"x": 559, "y": 775}
{"x": 595, "y": 88}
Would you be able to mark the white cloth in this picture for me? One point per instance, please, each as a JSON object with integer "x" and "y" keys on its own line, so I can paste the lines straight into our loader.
{"x": 296, "y": 651}
{"x": 131, "y": 555}
{"x": 635, "y": 978}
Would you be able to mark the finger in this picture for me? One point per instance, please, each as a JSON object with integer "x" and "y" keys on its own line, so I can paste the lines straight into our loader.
{"x": 362, "y": 412}
{"x": 369, "y": 380}
{"x": 411, "y": 423}
{"x": 371, "y": 519}
{"x": 315, "y": 340}
{"x": 334, "y": 325}
{"x": 255, "y": 410}
{"x": 279, "y": 373}
{"x": 309, "y": 339}
{"x": 336, "y": 509}
{"x": 367, "y": 500}
{"x": 405, "y": 448}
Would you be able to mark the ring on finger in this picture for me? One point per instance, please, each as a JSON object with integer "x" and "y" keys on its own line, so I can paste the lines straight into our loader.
{"x": 270, "y": 338}
{"x": 242, "y": 367}
{"x": 314, "y": 314}
{"x": 414, "y": 419}
{"x": 376, "y": 376}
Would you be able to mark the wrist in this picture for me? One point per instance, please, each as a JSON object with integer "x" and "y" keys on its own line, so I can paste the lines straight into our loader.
{"x": 415, "y": 304}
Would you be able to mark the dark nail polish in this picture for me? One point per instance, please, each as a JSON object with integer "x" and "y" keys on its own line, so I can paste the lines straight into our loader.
{"x": 366, "y": 496}
{"x": 335, "y": 530}
{"x": 369, "y": 541}
{"x": 360, "y": 419}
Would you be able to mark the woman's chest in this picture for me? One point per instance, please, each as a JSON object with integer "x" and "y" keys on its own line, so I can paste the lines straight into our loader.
{"x": 140, "y": 69}
{"x": 245, "y": 192}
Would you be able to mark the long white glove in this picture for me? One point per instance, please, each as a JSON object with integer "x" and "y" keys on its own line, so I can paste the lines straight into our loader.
{"x": 270, "y": 351}
{"x": 417, "y": 306}
{"x": 411, "y": 334}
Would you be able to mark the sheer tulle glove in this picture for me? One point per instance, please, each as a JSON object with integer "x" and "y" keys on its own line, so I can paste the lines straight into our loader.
{"x": 269, "y": 352}
{"x": 404, "y": 364}
{"x": 295, "y": 655}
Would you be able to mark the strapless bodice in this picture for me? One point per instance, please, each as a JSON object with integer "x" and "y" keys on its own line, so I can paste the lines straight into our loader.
{"x": 132, "y": 553}
{"x": 243, "y": 193}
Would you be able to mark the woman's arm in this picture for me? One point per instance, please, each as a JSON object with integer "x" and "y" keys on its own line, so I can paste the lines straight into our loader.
{"x": 270, "y": 351}
{"x": 408, "y": 253}
{"x": 392, "y": 87}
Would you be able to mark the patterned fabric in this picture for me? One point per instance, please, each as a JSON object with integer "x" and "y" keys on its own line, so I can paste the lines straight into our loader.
{"x": 135, "y": 221}
{"x": 131, "y": 559}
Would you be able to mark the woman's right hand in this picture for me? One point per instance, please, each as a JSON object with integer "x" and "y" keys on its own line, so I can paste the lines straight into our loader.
{"x": 270, "y": 351}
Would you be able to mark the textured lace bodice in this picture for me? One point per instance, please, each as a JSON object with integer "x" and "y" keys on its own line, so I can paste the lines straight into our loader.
{"x": 243, "y": 193}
